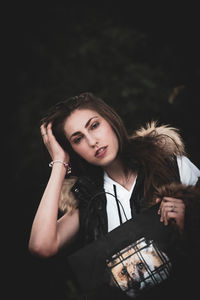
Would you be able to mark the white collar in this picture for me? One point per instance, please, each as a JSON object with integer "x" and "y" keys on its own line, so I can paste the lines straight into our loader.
{"x": 109, "y": 182}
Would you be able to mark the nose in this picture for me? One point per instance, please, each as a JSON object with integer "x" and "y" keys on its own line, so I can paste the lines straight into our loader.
{"x": 134, "y": 284}
{"x": 92, "y": 141}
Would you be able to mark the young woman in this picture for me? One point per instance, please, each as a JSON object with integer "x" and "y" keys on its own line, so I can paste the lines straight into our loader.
{"x": 95, "y": 162}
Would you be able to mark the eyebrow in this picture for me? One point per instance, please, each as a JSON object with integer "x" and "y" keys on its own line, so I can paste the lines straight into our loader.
{"x": 86, "y": 125}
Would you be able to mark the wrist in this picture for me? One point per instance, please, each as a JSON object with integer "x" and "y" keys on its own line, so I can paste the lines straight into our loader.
{"x": 64, "y": 158}
{"x": 61, "y": 163}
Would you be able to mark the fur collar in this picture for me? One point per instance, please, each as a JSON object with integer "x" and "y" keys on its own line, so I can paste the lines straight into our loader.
{"x": 67, "y": 200}
{"x": 165, "y": 137}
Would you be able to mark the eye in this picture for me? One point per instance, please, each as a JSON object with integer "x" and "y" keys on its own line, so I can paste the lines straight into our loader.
{"x": 77, "y": 140}
{"x": 124, "y": 271}
{"x": 95, "y": 125}
{"x": 140, "y": 266}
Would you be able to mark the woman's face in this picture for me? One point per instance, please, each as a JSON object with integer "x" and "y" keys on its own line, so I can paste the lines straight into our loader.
{"x": 92, "y": 137}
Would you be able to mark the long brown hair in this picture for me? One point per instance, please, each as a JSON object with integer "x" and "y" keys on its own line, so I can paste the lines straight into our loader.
{"x": 58, "y": 114}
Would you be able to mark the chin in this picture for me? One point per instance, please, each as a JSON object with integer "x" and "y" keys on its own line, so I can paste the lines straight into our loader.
{"x": 108, "y": 162}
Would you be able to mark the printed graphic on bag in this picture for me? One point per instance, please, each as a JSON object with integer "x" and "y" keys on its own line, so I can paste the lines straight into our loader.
{"x": 138, "y": 267}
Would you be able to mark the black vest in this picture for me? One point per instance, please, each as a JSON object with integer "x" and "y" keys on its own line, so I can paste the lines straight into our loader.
{"x": 92, "y": 203}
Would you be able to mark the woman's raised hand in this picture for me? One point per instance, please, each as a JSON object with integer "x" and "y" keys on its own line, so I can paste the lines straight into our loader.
{"x": 55, "y": 150}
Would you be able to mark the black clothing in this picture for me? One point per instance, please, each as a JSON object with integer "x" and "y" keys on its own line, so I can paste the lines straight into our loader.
{"x": 157, "y": 176}
{"x": 92, "y": 203}
{"x": 94, "y": 225}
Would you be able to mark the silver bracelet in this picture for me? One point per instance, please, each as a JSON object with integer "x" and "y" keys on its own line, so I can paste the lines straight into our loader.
{"x": 61, "y": 162}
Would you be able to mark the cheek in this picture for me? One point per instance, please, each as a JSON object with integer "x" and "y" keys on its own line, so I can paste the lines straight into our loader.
{"x": 115, "y": 142}
{"x": 111, "y": 136}
{"x": 80, "y": 149}
{"x": 84, "y": 151}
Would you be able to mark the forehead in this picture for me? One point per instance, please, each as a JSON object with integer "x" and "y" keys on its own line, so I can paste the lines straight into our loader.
{"x": 78, "y": 119}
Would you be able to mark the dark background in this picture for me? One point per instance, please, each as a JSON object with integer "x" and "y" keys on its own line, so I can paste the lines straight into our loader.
{"x": 142, "y": 59}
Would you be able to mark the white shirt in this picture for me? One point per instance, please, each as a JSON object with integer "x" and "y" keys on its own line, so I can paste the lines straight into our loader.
{"x": 189, "y": 174}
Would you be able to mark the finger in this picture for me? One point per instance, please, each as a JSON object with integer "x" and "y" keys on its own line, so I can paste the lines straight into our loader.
{"x": 168, "y": 201}
{"x": 51, "y": 136}
{"x": 44, "y": 133}
{"x": 177, "y": 206}
{"x": 165, "y": 204}
{"x": 49, "y": 126}
{"x": 166, "y": 208}
{"x": 174, "y": 213}
{"x": 43, "y": 129}
{"x": 158, "y": 200}
{"x": 171, "y": 199}
{"x": 166, "y": 214}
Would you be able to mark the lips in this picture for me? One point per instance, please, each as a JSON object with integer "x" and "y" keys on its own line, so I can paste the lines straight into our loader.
{"x": 101, "y": 151}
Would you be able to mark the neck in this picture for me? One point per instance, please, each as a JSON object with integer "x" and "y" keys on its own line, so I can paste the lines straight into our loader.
{"x": 117, "y": 172}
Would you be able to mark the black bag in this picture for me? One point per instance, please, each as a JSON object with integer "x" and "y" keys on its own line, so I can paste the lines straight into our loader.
{"x": 135, "y": 256}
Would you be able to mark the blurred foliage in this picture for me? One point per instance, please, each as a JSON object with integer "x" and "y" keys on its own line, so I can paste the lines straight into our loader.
{"x": 134, "y": 62}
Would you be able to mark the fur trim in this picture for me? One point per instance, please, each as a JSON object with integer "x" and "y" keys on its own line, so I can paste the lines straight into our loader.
{"x": 166, "y": 137}
{"x": 67, "y": 201}
{"x": 189, "y": 194}
{"x": 191, "y": 197}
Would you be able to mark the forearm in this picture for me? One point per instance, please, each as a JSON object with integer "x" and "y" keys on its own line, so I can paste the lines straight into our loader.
{"x": 44, "y": 236}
